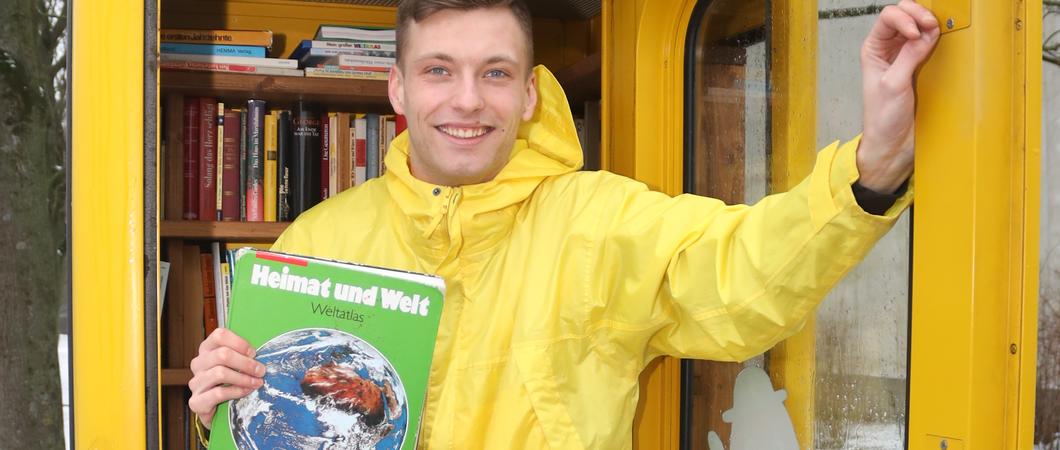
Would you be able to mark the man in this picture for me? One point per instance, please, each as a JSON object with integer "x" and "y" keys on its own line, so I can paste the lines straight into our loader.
{"x": 563, "y": 285}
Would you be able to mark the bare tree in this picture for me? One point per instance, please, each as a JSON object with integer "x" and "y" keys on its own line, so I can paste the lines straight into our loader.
{"x": 32, "y": 216}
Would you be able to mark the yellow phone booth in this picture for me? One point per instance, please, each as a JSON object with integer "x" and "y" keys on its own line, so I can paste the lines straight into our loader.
{"x": 929, "y": 344}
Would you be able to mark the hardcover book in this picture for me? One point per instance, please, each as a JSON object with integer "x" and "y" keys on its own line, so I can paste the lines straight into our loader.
{"x": 347, "y": 351}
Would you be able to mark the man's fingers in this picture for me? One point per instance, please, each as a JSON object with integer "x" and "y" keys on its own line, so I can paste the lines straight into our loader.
{"x": 223, "y": 337}
{"x": 923, "y": 16}
{"x": 227, "y": 357}
{"x": 204, "y": 404}
{"x": 894, "y": 21}
{"x": 220, "y": 375}
{"x": 912, "y": 55}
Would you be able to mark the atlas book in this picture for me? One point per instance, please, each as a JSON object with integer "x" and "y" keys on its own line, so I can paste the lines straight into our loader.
{"x": 347, "y": 350}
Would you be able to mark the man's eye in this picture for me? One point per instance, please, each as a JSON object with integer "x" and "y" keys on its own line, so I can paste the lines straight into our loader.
{"x": 496, "y": 73}
{"x": 437, "y": 71}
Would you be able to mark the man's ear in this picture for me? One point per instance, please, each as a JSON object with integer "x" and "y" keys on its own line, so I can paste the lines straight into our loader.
{"x": 531, "y": 98}
{"x": 396, "y": 89}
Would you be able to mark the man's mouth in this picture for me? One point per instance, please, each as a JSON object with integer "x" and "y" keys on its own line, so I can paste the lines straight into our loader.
{"x": 464, "y": 132}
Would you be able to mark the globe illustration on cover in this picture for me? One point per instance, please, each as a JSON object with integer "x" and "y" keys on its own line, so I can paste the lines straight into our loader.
{"x": 324, "y": 389}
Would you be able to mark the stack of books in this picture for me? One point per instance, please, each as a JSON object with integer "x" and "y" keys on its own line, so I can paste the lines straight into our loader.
{"x": 347, "y": 52}
{"x": 252, "y": 163}
{"x": 240, "y": 51}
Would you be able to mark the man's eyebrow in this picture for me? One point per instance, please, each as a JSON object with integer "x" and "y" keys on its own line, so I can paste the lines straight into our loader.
{"x": 449, "y": 59}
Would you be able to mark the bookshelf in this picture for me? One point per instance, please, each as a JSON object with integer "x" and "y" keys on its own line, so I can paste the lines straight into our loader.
{"x": 568, "y": 47}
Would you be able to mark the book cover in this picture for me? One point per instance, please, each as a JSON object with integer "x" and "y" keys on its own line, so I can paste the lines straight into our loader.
{"x": 218, "y": 185}
{"x": 269, "y": 192}
{"x": 212, "y": 49}
{"x": 305, "y": 157}
{"x": 233, "y": 68}
{"x": 261, "y": 38}
{"x": 311, "y": 51}
{"x": 283, "y": 146}
{"x": 360, "y": 133}
{"x": 372, "y": 141}
{"x": 191, "y": 158}
{"x": 230, "y": 166}
{"x": 325, "y": 156}
{"x": 347, "y": 351}
{"x": 207, "y": 158}
{"x": 336, "y": 72}
{"x": 348, "y": 33}
{"x": 255, "y": 161}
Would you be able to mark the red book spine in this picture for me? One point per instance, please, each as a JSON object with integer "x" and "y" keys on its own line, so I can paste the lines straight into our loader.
{"x": 230, "y": 165}
{"x": 207, "y": 159}
{"x": 325, "y": 159}
{"x": 191, "y": 158}
{"x": 400, "y": 124}
{"x": 209, "y": 297}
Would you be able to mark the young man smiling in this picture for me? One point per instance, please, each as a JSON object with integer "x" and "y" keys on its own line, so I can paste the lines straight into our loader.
{"x": 562, "y": 285}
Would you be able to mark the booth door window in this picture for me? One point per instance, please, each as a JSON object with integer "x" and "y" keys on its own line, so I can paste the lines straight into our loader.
{"x": 856, "y": 398}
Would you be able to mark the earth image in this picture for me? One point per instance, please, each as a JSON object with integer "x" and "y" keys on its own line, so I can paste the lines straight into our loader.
{"x": 324, "y": 390}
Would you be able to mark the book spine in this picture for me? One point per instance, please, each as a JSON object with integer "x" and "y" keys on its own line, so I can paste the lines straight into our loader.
{"x": 211, "y": 49}
{"x": 227, "y": 37}
{"x": 313, "y": 56}
{"x": 218, "y": 185}
{"x": 243, "y": 143}
{"x": 333, "y": 154}
{"x": 400, "y": 123}
{"x": 327, "y": 72}
{"x": 207, "y": 158}
{"x": 358, "y": 60}
{"x": 325, "y": 156}
{"x": 305, "y": 157}
{"x": 218, "y": 282}
{"x": 191, "y": 158}
{"x": 269, "y": 190}
{"x": 230, "y": 186}
{"x": 360, "y": 126}
{"x": 372, "y": 154}
{"x": 391, "y": 132}
{"x": 233, "y": 68}
{"x": 283, "y": 150}
{"x": 255, "y": 161}
{"x": 209, "y": 298}
{"x": 277, "y": 63}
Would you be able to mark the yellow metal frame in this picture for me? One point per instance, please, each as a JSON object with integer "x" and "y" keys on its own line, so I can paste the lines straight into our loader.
{"x": 107, "y": 224}
{"x": 975, "y": 252}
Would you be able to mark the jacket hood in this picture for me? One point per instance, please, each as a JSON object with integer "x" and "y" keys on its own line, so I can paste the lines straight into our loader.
{"x": 546, "y": 145}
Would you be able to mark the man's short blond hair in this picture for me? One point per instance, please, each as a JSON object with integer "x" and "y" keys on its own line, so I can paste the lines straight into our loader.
{"x": 418, "y": 10}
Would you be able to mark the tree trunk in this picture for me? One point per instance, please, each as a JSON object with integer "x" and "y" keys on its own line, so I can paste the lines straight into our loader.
{"x": 32, "y": 230}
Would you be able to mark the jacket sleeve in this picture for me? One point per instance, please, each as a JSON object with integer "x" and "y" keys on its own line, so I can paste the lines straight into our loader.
{"x": 692, "y": 277}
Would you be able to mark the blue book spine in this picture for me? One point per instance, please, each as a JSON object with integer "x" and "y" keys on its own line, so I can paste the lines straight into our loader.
{"x": 372, "y": 141}
{"x": 211, "y": 49}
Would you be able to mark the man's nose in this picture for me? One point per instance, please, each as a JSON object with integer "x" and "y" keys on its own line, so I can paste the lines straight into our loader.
{"x": 468, "y": 96}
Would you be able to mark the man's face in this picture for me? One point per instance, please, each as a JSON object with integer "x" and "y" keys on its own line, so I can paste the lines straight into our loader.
{"x": 463, "y": 85}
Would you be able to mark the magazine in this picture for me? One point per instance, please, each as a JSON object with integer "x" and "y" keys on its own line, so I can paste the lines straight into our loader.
{"x": 347, "y": 350}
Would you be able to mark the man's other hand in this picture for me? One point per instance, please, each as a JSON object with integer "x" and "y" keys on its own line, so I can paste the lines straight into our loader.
{"x": 224, "y": 370}
{"x": 902, "y": 38}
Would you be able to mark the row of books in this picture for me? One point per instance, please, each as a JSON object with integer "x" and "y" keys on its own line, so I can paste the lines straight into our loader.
{"x": 249, "y": 163}
{"x": 334, "y": 52}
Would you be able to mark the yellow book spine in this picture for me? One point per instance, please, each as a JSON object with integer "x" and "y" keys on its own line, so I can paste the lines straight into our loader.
{"x": 270, "y": 167}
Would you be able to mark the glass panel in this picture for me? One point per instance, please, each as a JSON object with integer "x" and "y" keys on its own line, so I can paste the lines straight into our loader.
{"x": 862, "y": 327}
{"x": 729, "y": 160}
{"x": 33, "y": 289}
{"x": 1047, "y": 404}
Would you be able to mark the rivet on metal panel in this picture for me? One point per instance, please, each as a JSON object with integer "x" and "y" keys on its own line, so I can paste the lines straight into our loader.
{"x": 1012, "y": 349}
{"x": 949, "y": 23}
{"x": 944, "y": 445}
{"x": 1019, "y": 24}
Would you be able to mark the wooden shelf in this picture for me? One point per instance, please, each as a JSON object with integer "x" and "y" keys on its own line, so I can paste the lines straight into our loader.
{"x": 176, "y": 377}
{"x": 581, "y": 80}
{"x": 229, "y": 231}
{"x": 281, "y": 90}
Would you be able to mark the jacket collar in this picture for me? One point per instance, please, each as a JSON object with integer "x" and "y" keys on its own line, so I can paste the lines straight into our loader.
{"x": 443, "y": 222}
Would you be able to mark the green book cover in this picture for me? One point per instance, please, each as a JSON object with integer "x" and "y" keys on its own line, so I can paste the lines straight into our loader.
{"x": 347, "y": 350}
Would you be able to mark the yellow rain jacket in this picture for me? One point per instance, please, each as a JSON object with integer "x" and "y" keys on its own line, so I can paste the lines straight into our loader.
{"x": 562, "y": 285}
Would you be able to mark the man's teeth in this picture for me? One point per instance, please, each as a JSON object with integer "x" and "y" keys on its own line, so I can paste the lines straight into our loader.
{"x": 464, "y": 133}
